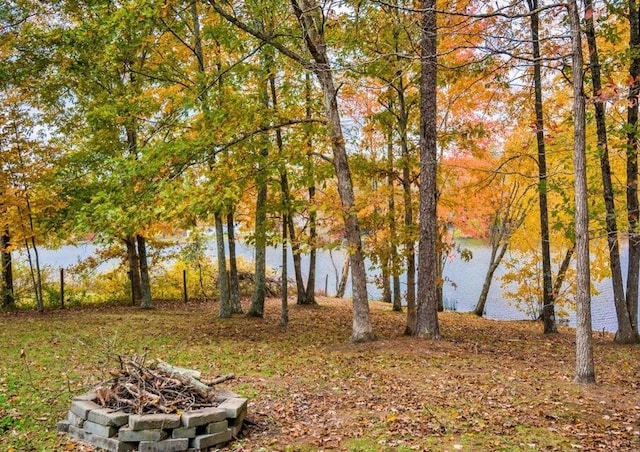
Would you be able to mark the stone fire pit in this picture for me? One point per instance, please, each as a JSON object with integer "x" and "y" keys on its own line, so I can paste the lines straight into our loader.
{"x": 90, "y": 421}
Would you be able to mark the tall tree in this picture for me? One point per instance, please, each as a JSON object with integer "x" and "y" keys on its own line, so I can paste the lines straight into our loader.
{"x": 312, "y": 20}
{"x": 427, "y": 313}
{"x": 633, "y": 206}
{"x": 625, "y": 331}
{"x": 585, "y": 372}
{"x": 548, "y": 310}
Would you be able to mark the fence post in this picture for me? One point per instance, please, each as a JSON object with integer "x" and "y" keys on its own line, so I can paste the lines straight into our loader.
{"x": 62, "y": 287}
{"x": 184, "y": 286}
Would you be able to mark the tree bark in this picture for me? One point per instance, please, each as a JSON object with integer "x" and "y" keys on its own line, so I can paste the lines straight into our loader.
{"x": 497, "y": 253}
{"x": 284, "y": 315}
{"x": 585, "y": 372}
{"x": 145, "y": 283}
{"x": 310, "y": 297}
{"x": 234, "y": 283}
{"x": 633, "y": 208}
{"x": 259, "y": 290}
{"x": 134, "y": 270}
{"x": 311, "y": 277}
{"x": 427, "y": 314}
{"x": 309, "y": 15}
{"x": 342, "y": 287}
{"x": 391, "y": 219}
{"x": 548, "y": 309}
{"x": 225, "y": 310}
{"x": 625, "y": 329}
{"x": 409, "y": 244}
{"x": 8, "y": 298}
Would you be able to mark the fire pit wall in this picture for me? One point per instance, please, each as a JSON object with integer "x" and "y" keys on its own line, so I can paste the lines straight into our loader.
{"x": 192, "y": 431}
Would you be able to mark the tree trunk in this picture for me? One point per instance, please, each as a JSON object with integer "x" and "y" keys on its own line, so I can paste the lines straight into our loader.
{"x": 8, "y": 298}
{"x": 284, "y": 315}
{"x": 633, "y": 209}
{"x": 311, "y": 277}
{"x": 497, "y": 253}
{"x": 259, "y": 290}
{"x": 391, "y": 219}
{"x": 625, "y": 329}
{"x": 309, "y": 15}
{"x": 310, "y": 297}
{"x": 145, "y": 283}
{"x": 234, "y": 283}
{"x": 585, "y": 372}
{"x": 562, "y": 271}
{"x": 409, "y": 244}
{"x": 548, "y": 310}
{"x": 225, "y": 309}
{"x": 342, "y": 287}
{"x": 134, "y": 270}
{"x": 428, "y": 263}
{"x": 285, "y": 205}
{"x": 386, "y": 282}
{"x": 297, "y": 262}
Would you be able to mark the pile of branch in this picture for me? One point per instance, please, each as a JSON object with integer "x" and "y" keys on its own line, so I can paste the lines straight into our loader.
{"x": 138, "y": 388}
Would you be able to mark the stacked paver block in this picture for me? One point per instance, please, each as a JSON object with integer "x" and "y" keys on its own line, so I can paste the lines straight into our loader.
{"x": 192, "y": 431}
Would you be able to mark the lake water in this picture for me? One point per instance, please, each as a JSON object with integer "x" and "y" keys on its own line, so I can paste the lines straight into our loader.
{"x": 461, "y": 292}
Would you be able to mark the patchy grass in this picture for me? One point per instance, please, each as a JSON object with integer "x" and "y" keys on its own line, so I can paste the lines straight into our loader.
{"x": 486, "y": 386}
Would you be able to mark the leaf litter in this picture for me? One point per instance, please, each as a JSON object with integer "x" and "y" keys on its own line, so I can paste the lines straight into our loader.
{"x": 486, "y": 385}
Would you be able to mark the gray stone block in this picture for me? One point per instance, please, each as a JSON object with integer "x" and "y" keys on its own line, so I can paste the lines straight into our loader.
{"x": 107, "y": 416}
{"x": 63, "y": 426}
{"x": 203, "y": 416}
{"x": 110, "y": 444}
{"x": 81, "y": 408}
{"x": 153, "y": 421}
{"x": 234, "y": 407}
{"x": 235, "y": 425}
{"x": 127, "y": 434}
{"x": 77, "y": 433}
{"x": 87, "y": 397}
{"x": 105, "y": 431}
{"x": 168, "y": 445}
{"x": 74, "y": 419}
{"x": 217, "y": 427}
{"x": 204, "y": 441}
{"x": 183, "y": 432}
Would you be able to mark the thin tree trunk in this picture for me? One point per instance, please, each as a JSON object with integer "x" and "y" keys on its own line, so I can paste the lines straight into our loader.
{"x": 225, "y": 310}
{"x": 234, "y": 282}
{"x": 8, "y": 298}
{"x": 342, "y": 287}
{"x": 562, "y": 271}
{"x": 386, "y": 282}
{"x": 297, "y": 262}
{"x": 427, "y": 315}
{"x": 284, "y": 315}
{"x": 585, "y": 372}
{"x": 497, "y": 253}
{"x": 145, "y": 284}
{"x": 134, "y": 270}
{"x": 633, "y": 208}
{"x": 409, "y": 244}
{"x": 625, "y": 329}
{"x": 259, "y": 291}
{"x": 548, "y": 310}
{"x": 391, "y": 219}
{"x": 309, "y": 15}
{"x": 285, "y": 206}
{"x": 311, "y": 276}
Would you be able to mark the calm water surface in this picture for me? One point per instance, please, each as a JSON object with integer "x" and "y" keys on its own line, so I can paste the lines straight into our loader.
{"x": 462, "y": 290}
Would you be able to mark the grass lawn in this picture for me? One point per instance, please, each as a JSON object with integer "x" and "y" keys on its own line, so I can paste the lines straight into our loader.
{"x": 486, "y": 385}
